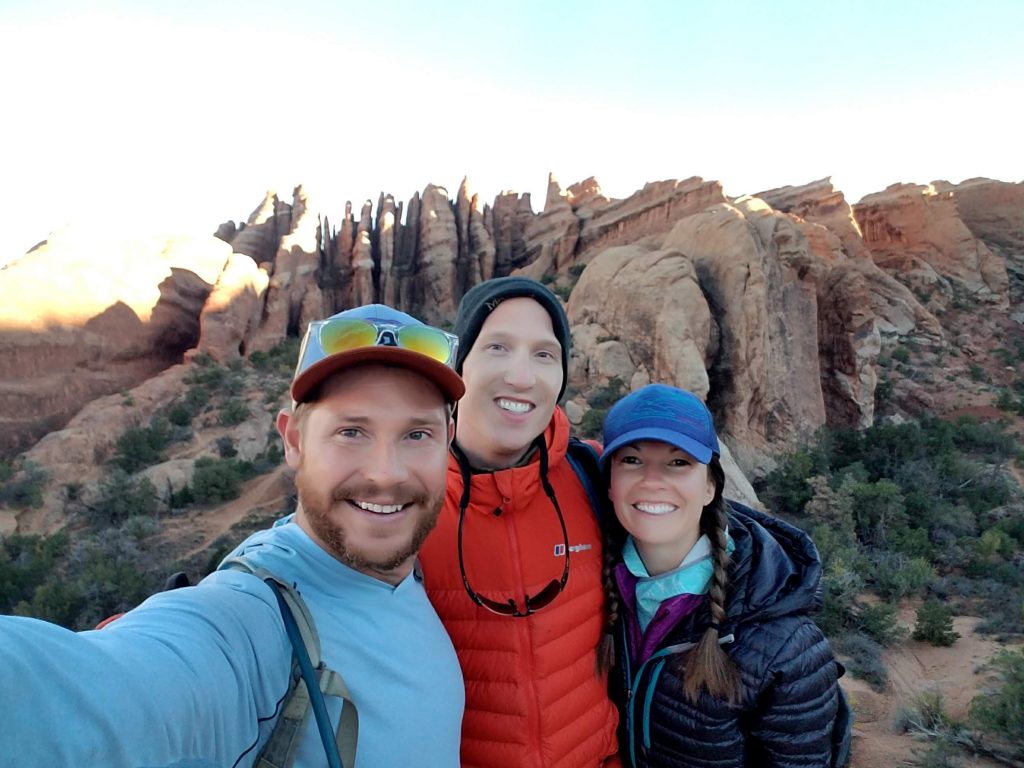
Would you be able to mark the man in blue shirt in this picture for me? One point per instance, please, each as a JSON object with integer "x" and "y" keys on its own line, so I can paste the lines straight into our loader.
{"x": 195, "y": 677}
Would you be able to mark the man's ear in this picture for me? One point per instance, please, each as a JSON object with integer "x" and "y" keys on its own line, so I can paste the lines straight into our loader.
{"x": 451, "y": 431}
{"x": 288, "y": 428}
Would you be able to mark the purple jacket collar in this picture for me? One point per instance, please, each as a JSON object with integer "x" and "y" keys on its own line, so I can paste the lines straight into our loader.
{"x": 669, "y": 614}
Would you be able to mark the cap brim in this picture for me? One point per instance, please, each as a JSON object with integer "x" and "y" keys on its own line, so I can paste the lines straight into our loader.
{"x": 447, "y": 380}
{"x": 700, "y": 452}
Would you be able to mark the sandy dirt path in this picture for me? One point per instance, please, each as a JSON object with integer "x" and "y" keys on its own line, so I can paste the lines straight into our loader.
{"x": 956, "y": 672}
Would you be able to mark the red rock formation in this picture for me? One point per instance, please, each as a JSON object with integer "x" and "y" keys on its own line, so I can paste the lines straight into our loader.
{"x": 585, "y": 194}
{"x": 231, "y": 314}
{"x": 339, "y": 277}
{"x": 361, "y": 267}
{"x": 511, "y": 215}
{"x": 651, "y": 302}
{"x": 262, "y": 231}
{"x": 849, "y": 344}
{"x": 82, "y": 316}
{"x": 435, "y": 280}
{"x": 765, "y": 383}
{"x": 386, "y": 229}
{"x": 916, "y": 234}
{"x": 406, "y": 250}
{"x": 993, "y": 211}
{"x": 551, "y": 237}
{"x": 293, "y": 296}
{"x": 651, "y": 211}
{"x": 821, "y": 203}
{"x": 480, "y": 241}
{"x": 473, "y": 252}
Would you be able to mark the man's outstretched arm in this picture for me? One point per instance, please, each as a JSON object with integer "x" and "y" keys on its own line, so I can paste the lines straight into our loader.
{"x": 188, "y": 677}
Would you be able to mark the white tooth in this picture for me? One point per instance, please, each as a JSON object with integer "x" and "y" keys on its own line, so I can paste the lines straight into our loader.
{"x": 512, "y": 405}
{"x": 380, "y": 509}
{"x": 655, "y": 509}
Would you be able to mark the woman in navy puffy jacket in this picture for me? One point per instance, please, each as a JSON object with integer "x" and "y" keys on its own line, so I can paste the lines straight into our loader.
{"x": 717, "y": 661}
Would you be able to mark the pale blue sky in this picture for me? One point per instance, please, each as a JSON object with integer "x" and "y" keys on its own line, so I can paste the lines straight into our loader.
{"x": 177, "y": 116}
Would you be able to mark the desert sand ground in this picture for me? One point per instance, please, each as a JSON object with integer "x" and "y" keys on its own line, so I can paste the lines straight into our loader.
{"x": 956, "y": 672}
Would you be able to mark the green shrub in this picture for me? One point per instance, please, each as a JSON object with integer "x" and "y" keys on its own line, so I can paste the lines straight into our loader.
{"x": 1000, "y": 711}
{"x": 26, "y": 560}
{"x": 935, "y": 624}
{"x": 25, "y": 488}
{"x": 883, "y": 391}
{"x": 878, "y": 622}
{"x": 942, "y": 752}
{"x": 226, "y": 447}
{"x": 831, "y": 509}
{"x": 216, "y": 480}
{"x": 926, "y": 717}
{"x": 181, "y": 413}
{"x": 234, "y": 384}
{"x": 182, "y": 498}
{"x": 233, "y": 412}
{"x": 208, "y": 376}
{"x": 592, "y": 423}
{"x": 864, "y": 658}
{"x": 267, "y": 460}
{"x": 273, "y": 392}
{"x": 996, "y": 542}
{"x": 102, "y": 574}
{"x": 878, "y": 509}
{"x": 786, "y": 486}
{"x": 606, "y": 396}
{"x": 897, "y": 576}
{"x": 281, "y": 359}
{"x": 197, "y": 399}
{"x": 140, "y": 447}
{"x": 122, "y": 496}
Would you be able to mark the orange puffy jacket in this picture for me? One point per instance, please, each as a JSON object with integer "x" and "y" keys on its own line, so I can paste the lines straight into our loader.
{"x": 533, "y": 698}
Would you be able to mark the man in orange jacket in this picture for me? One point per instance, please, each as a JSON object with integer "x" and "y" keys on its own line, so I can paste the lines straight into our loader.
{"x": 514, "y": 565}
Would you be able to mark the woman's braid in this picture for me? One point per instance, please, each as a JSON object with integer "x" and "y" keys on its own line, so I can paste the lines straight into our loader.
{"x": 707, "y": 666}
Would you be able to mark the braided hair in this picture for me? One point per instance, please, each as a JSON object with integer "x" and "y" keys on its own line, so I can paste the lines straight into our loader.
{"x": 614, "y": 537}
{"x": 707, "y": 666}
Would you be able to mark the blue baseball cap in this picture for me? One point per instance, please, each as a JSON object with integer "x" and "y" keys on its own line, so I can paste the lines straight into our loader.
{"x": 663, "y": 413}
{"x": 376, "y": 333}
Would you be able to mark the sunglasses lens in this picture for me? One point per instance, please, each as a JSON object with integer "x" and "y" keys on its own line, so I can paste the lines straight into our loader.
{"x": 544, "y": 597}
{"x": 343, "y": 334}
{"x": 505, "y": 609}
{"x": 425, "y": 340}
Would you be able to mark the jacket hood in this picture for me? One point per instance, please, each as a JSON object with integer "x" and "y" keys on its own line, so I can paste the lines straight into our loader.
{"x": 776, "y": 568}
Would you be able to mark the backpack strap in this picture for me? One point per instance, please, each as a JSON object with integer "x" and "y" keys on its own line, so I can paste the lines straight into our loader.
{"x": 583, "y": 457}
{"x": 317, "y": 681}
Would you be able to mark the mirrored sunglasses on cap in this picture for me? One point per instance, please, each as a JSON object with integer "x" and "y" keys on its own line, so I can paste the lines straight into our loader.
{"x": 336, "y": 336}
{"x": 344, "y": 334}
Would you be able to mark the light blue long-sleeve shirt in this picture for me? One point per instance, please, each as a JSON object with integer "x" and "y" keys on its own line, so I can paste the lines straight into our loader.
{"x": 192, "y": 678}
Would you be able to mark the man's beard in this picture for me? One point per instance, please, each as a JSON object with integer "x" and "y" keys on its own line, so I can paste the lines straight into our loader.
{"x": 317, "y": 507}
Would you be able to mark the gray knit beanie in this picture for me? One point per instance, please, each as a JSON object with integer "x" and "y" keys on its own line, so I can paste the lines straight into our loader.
{"x": 482, "y": 299}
